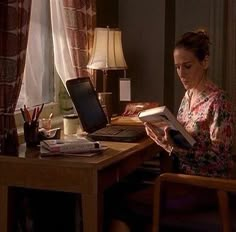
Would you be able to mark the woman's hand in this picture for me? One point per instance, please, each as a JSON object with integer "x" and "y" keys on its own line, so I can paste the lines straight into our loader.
{"x": 160, "y": 137}
{"x": 132, "y": 109}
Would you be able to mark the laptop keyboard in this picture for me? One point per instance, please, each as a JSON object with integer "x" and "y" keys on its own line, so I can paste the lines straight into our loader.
{"x": 111, "y": 130}
{"x": 119, "y": 133}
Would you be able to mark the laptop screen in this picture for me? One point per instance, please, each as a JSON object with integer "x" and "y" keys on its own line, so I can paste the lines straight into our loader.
{"x": 87, "y": 105}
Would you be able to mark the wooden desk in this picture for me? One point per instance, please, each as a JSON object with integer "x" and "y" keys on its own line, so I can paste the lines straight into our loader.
{"x": 88, "y": 176}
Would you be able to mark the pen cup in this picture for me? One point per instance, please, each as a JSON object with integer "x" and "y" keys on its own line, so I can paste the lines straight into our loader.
{"x": 31, "y": 130}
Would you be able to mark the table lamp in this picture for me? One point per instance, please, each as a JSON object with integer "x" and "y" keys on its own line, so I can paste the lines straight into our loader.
{"x": 107, "y": 54}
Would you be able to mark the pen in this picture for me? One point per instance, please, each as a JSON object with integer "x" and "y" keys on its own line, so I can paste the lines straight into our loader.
{"x": 23, "y": 114}
{"x": 50, "y": 116}
{"x": 27, "y": 114}
{"x": 36, "y": 112}
{"x": 39, "y": 112}
{"x": 33, "y": 114}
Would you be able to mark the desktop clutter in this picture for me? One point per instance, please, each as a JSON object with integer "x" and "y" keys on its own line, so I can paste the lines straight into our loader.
{"x": 36, "y": 129}
{"x": 38, "y": 132}
{"x": 74, "y": 143}
{"x": 71, "y": 124}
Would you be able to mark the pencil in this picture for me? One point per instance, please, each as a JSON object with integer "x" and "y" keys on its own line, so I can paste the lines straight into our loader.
{"x": 39, "y": 112}
{"x": 34, "y": 114}
{"x": 23, "y": 114}
{"x": 27, "y": 114}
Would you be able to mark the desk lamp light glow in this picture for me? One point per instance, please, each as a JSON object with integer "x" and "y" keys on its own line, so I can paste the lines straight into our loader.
{"x": 107, "y": 53}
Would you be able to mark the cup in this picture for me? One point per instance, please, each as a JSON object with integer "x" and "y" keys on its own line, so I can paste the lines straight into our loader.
{"x": 105, "y": 99}
{"x": 45, "y": 123}
{"x": 31, "y": 132}
{"x": 71, "y": 124}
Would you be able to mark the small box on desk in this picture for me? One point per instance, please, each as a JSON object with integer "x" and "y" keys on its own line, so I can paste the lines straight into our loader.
{"x": 54, "y": 133}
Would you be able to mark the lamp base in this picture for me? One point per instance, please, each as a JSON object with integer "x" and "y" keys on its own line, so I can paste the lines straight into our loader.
{"x": 105, "y": 99}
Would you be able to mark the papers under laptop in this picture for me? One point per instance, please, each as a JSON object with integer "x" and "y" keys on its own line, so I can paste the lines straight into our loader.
{"x": 93, "y": 118}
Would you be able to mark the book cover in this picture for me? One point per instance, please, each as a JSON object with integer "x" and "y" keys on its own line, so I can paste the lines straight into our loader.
{"x": 88, "y": 153}
{"x": 76, "y": 145}
{"x": 161, "y": 117}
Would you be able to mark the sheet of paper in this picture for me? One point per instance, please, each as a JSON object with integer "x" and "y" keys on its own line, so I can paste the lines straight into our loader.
{"x": 125, "y": 89}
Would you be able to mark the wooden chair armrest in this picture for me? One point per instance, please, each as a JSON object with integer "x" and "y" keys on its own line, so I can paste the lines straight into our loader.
{"x": 221, "y": 185}
{"x": 225, "y": 184}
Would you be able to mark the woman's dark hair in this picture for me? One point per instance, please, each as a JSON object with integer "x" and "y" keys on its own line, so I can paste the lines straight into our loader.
{"x": 198, "y": 42}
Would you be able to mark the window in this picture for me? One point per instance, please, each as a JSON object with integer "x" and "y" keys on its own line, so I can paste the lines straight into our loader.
{"x": 40, "y": 81}
{"x": 37, "y": 87}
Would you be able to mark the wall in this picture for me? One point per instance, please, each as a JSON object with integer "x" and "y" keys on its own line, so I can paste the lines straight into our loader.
{"x": 190, "y": 15}
{"x": 148, "y": 36}
{"x": 107, "y": 15}
{"x": 209, "y": 15}
{"x": 143, "y": 28}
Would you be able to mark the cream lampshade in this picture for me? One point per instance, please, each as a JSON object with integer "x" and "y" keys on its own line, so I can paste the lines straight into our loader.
{"x": 107, "y": 53}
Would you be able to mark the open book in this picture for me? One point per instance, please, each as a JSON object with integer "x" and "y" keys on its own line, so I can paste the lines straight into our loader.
{"x": 161, "y": 117}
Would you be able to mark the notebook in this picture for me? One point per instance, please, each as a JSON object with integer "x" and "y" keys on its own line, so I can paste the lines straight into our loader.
{"x": 93, "y": 118}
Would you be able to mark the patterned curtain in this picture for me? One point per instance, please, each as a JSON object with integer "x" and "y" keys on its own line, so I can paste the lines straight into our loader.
{"x": 14, "y": 25}
{"x": 230, "y": 46}
{"x": 230, "y": 56}
{"x": 80, "y": 19}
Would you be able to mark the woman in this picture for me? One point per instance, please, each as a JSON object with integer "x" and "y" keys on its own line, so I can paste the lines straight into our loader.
{"x": 206, "y": 114}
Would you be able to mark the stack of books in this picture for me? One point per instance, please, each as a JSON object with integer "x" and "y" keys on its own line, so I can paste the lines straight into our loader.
{"x": 79, "y": 146}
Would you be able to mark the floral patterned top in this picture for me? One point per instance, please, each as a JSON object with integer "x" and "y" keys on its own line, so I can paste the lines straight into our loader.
{"x": 210, "y": 122}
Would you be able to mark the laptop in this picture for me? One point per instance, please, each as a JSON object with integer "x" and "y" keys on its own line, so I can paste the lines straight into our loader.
{"x": 93, "y": 117}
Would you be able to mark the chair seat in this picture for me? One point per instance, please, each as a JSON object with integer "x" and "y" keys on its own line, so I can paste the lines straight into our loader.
{"x": 195, "y": 222}
{"x": 191, "y": 222}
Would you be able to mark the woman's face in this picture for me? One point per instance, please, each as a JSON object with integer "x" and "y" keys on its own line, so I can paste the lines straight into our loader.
{"x": 190, "y": 70}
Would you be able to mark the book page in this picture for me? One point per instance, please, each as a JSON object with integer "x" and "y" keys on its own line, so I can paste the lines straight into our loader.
{"x": 160, "y": 122}
{"x": 162, "y": 117}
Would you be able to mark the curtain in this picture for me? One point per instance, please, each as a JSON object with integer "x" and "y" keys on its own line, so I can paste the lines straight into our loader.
{"x": 14, "y": 25}
{"x": 229, "y": 80}
{"x": 230, "y": 53}
{"x": 73, "y": 22}
{"x": 39, "y": 62}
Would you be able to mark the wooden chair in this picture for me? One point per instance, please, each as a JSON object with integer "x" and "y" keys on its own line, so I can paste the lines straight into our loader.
{"x": 221, "y": 216}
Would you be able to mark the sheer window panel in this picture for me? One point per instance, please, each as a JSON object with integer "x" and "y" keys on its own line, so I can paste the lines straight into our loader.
{"x": 40, "y": 82}
{"x": 37, "y": 85}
